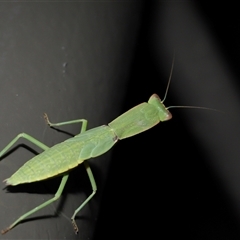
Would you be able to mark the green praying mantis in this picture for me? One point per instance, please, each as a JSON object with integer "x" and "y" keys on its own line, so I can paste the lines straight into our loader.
{"x": 61, "y": 158}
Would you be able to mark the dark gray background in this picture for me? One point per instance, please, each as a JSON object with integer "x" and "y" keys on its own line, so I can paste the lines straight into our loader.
{"x": 70, "y": 60}
{"x": 181, "y": 179}
{"x": 95, "y": 60}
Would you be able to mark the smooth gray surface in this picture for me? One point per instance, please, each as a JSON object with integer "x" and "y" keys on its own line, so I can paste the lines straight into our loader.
{"x": 70, "y": 60}
{"x": 181, "y": 179}
{"x": 205, "y": 76}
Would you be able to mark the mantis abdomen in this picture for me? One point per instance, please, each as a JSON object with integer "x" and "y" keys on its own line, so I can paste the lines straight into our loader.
{"x": 65, "y": 156}
{"x": 61, "y": 158}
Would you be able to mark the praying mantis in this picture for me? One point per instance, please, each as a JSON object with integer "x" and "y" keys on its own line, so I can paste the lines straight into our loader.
{"x": 61, "y": 158}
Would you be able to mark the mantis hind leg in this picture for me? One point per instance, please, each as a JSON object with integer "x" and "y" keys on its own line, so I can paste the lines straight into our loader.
{"x": 64, "y": 178}
{"x": 27, "y": 137}
{"x": 57, "y": 195}
{"x": 60, "y": 188}
{"x": 87, "y": 167}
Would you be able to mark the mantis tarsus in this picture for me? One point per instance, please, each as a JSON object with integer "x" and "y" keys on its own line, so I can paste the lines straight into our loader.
{"x": 62, "y": 157}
